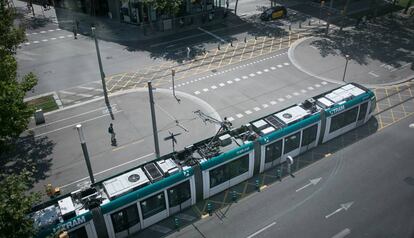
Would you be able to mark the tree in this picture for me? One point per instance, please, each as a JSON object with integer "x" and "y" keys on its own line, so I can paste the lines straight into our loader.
{"x": 15, "y": 204}
{"x": 171, "y": 7}
{"x": 14, "y": 113}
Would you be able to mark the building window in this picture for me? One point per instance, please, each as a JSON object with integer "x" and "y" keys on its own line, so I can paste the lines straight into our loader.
{"x": 179, "y": 193}
{"x": 125, "y": 218}
{"x": 292, "y": 142}
{"x": 153, "y": 205}
{"x": 309, "y": 135}
{"x": 228, "y": 171}
{"x": 362, "y": 111}
{"x": 273, "y": 151}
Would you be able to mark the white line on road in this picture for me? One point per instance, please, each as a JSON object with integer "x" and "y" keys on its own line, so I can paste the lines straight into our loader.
{"x": 261, "y": 230}
{"x": 67, "y": 118}
{"x": 212, "y": 34}
{"x": 374, "y": 74}
{"x": 343, "y": 233}
{"x": 87, "y": 88}
{"x": 106, "y": 170}
{"x": 72, "y": 125}
{"x": 66, "y": 92}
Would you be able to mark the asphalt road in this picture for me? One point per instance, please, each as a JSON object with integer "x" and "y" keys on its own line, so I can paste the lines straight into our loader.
{"x": 366, "y": 190}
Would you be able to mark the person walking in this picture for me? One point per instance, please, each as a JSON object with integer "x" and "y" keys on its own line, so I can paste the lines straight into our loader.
{"x": 112, "y": 132}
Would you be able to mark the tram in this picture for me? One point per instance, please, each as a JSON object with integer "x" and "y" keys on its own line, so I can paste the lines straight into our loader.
{"x": 139, "y": 197}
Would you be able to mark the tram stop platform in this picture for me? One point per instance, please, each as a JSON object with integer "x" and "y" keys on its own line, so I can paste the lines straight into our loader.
{"x": 374, "y": 54}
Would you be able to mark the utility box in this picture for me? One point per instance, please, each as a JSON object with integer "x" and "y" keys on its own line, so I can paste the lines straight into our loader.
{"x": 39, "y": 117}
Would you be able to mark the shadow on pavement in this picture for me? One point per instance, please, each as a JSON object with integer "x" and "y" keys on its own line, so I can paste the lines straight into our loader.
{"x": 220, "y": 204}
{"x": 30, "y": 153}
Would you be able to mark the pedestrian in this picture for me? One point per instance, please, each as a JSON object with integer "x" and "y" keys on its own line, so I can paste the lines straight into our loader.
{"x": 112, "y": 132}
{"x": 75, "y": 33}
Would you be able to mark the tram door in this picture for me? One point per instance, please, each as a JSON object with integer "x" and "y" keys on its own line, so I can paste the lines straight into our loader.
{"x": 179, "y": 197}
{"x": 291, "y": 145}
{"x": 309, "y": 138}
{"x": 362, "y": 113}
{"x": 126, "y": 221}
{"x": 272, "y": 154}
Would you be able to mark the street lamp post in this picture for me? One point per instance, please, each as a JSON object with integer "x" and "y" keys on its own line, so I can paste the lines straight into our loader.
{"x": 85, "y": 152}
{"x": 100, "y": 67}
{"x": 154, "y": 121}
{"x": 346, "y": 65}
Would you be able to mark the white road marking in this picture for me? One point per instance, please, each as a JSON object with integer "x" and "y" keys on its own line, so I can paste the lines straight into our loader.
{"x": 324, "y": 83}
{"x": 237, "y": 79}
{"x": 303, "y": 91}
{"x": 373, "y": 74}
{"x": 27, "y": 43}
{"x": 248, "y": 112}
{"x": 51, "y": 30}
{"x": 44, "y": 40}
{"x": 265, "y": 105}
{"x": 87, "y": 88}
{"x": 257, "y": 109}
{"x": 72, "y": 125}
{"x": 68, "y": 35}
{"x": 36, "y": 42}
{"x": 279, "y": 66}
{"x": 66, "y": 92}
{"x": 84, "y": 95}
{"x": 286, "y": 64}
{"x": 288, "y": 96}
{"x": 221, "y": 84}
{"x": 205, "y": 89}
{"x": 281, "y": 99}
{"x": 272, "y": 68}
{"x": 296, "y": 93}
{"x": 239, "y": 115}
{"x": 273, "y": 102}
{"x": 61, "y": 37}
{"x": 261, "y": 230}
{"x": 43, "y": 32}
{"x": 53, "y": 38}
{"x": 266, "y": 70}
{"x": 34, "y": 33}
{"x": 245, "y": 77}
{"x": 77, "y": 181}
{"x": 317, "y": 85}
{"x": 213, "y": 87}
{"x": 197, "y": 92}
{"x": 343, "y": 233}
{"x": 252, "y": 75}
{"x": 259, "y": 72}
{"x": 310, "y": 88}
{"x": 212, "y": 34}
{"x": 229, "y": 82}
{"x": 230, "y": 119}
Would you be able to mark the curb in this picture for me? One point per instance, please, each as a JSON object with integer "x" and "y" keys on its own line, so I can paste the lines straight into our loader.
{"x": 298, "y": 66}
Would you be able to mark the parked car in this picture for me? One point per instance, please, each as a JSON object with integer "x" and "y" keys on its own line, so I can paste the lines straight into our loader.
{"x": 273, "y": 13}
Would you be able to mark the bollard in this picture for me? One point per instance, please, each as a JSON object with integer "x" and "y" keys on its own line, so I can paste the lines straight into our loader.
{"x": 309, "y": 23}
{"x": 177, "y": 223}
{"x": 234, "y": 196}
{"x": 258, "y": 184}
{"x": 245, "y": 40}
{"x": 300, "y": 24}
{"x": 279, "y": 174}
{"x": 290, "y": 27}
{"x": 210, "y": 209}
{"x": 255, "y": 37}
{"x": 231, "y": 43}
{"x": 218, "y": 46}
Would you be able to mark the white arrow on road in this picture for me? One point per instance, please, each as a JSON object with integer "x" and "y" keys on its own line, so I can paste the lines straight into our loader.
{"x": 311, "y": 182}
{"x": 344, "y": 206}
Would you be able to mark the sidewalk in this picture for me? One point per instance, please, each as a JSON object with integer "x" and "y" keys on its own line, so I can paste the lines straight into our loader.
{"x": 380, "y": 53}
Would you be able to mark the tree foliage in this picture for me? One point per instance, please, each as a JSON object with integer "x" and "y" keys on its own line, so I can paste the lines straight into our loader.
{"x": 168, "y": 6}
{"x": 14, "y": 113}
{"x": 15, "y": 204}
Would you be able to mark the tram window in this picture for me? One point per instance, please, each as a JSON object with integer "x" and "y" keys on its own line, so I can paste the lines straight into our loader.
{"x": 219, "y": 175}
{"x": 292, "y": 142}
{"x": 153, "y": 205}
{"x": 362, "y": 111}
{"x": 125, "y": 218}
{"x": 179, "y": 193}
{"x": 309, "y": 135}
{"x": 228, "y": 171}
{"x": 78, "y": 233}
{"x": 343, "y": 119}
{"x": 373, "y": 105}
{"x": 238, "y": 166}
{"x": 273, "y": 151}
